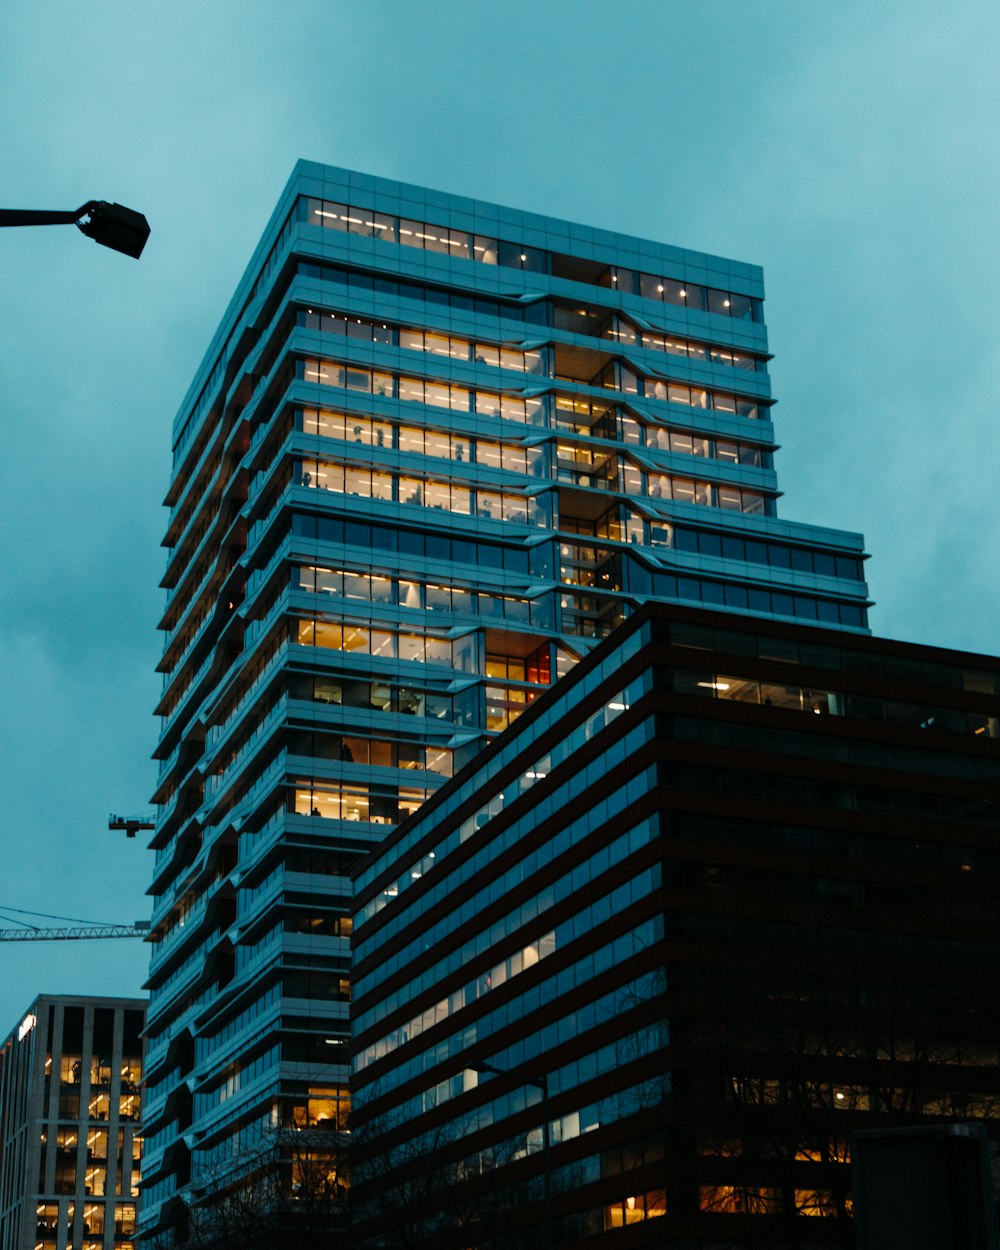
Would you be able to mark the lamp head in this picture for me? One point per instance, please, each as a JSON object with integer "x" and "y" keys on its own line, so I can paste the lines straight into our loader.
{"x": 112, "y": 225}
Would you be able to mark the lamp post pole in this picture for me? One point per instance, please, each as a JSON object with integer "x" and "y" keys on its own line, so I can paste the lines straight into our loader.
{"x": 540, "y": 1082}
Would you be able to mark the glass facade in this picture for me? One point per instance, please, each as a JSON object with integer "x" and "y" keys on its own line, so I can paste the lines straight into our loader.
{"x": 724, "y": 895}
{"x": 436, "y": 451}
{"x": 70, "y": 1136}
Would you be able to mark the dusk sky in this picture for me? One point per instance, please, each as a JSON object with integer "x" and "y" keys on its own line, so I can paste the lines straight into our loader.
{"x": 849, "y": 148}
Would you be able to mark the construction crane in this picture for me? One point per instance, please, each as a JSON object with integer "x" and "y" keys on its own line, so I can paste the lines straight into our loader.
{"x": 131, "y": 824}
{"x": 80, "y": 931}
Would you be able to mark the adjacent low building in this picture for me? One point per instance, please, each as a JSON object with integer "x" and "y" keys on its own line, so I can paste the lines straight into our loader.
{"x": 70, "y": 1144}
{"x": 726, "y": 893}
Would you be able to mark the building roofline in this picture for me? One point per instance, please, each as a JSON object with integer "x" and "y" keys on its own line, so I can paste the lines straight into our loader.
{"x": 658, "y": 611}
{"x": 74, "y": 1000}
{"x": 535, "y": 229}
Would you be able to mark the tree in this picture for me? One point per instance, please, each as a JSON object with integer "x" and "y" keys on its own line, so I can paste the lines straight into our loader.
{"x": 801, "y": 1045}
{"x": 286, "y": 1190}
{"x": 413, "y": 1189}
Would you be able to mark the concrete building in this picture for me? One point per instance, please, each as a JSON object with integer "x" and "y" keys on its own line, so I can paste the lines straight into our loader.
{"x": 70, "y": 1145}
{"x": 436, "y": 450}
{"x": 725, "y": 894}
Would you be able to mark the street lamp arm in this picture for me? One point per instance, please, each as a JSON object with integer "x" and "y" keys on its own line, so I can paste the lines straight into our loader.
{"x": 541, "y": 1082}
{"x": 518, "y": 1078}
{"x": 112, "y": 225}
{"x": 42, "y": 217}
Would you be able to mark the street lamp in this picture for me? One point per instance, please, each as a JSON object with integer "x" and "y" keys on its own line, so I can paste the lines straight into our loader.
{"x": 112, "y": 225}
{"x": 539, "y": 1082}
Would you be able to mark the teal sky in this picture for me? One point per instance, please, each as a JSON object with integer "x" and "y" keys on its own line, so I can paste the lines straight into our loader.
{"x": 849, "y": 148}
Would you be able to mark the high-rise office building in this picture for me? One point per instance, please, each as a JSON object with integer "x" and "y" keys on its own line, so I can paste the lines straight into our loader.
{"x": 437, "y": 449}
{"x": 70, "y": 1149}
{"x": 725, "y": 895}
